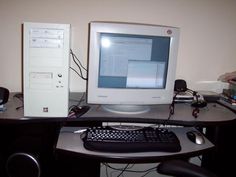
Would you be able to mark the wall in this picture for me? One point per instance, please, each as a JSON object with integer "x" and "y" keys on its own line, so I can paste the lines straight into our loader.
{"x": 207, "y": 42}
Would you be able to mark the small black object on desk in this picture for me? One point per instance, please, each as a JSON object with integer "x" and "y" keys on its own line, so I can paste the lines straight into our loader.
{"x": 80, "y": 110}
{"x": 4, "y": 95}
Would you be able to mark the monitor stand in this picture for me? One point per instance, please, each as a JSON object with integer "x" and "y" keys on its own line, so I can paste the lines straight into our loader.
{"x": 126, "y": 109}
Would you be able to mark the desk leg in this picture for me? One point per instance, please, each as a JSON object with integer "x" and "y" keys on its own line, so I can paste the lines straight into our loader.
{"x": 220, "y": 159}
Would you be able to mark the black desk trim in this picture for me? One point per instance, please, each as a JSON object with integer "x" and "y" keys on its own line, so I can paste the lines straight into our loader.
{"x": 88, "y": 120}
{"x": 147, "y": 159}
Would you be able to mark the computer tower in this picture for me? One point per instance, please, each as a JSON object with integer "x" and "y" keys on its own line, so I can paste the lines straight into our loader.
{"x": 46, "y": 50}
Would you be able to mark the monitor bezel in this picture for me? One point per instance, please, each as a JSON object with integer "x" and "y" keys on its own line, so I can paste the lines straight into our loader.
{"x": 129, "y": 96}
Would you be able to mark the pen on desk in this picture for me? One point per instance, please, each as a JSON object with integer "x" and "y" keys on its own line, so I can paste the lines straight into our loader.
{"x": 80, "y": 130}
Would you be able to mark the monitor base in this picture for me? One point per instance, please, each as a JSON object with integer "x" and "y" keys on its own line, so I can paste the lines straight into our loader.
{"x": 126, "y": 109}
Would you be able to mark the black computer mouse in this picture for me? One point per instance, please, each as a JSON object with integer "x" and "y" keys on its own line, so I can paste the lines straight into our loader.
{"x": 195, "y": 136}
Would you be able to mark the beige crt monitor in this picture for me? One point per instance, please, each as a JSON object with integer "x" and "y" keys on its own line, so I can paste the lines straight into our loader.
{"x": 46, "y": 69}
{"x": 131, "y": 66}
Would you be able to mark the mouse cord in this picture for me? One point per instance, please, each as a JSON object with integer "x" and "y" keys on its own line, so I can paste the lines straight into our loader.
{"x": 171, "y": 110}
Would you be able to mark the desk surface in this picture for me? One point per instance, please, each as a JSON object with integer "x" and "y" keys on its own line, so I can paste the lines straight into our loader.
{"x": 71, "y": 143}
{"x": 213, "y": 114}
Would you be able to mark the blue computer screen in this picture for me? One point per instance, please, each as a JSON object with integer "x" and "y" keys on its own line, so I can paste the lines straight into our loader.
{"x": 133, "y": 61}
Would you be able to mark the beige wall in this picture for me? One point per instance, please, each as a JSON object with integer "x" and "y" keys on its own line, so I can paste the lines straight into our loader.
{"x": 207, "y": 43}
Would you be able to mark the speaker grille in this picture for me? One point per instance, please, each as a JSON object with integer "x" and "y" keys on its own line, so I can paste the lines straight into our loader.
{"x": 22, "y": 165}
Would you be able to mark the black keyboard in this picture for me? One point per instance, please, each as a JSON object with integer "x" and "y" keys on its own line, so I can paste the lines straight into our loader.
{"x": 107, "y": 139}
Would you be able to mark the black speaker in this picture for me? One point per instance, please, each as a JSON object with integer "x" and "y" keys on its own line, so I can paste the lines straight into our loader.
{"x": 23, "y": 165}
{"x": 180, "y": 85}
{"x": 4, "y": 95}
{"x": 27, "y": 149}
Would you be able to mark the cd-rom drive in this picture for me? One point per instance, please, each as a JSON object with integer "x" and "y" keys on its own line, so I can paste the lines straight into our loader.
{"x": 46, "y": 69}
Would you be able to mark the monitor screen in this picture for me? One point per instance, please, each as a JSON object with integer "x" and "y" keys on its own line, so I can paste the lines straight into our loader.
{"x": 131, "y": 66}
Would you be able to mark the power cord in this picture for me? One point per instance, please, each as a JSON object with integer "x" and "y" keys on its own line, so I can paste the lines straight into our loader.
{"x": 127, "y": 168}
{"x": 79, "y": 65}
{"x": 171, "y": 110}
{"x": 21, "y": 98}
{"x": 197, "y": 103}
